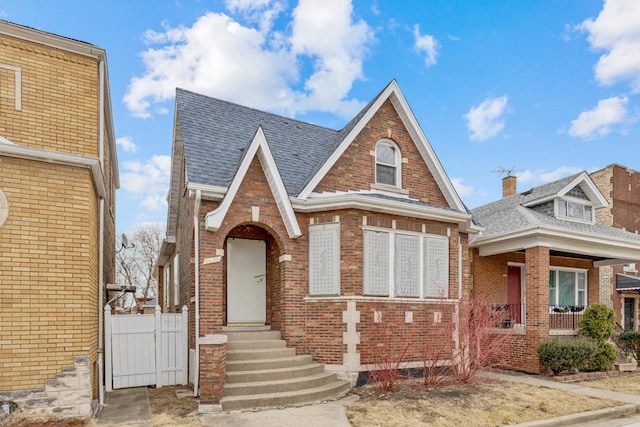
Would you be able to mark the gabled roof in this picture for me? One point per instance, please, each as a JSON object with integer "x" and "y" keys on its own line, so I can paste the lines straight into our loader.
{"x": 511, "y": 224}
{"x": 259, "y": 148}
{"x": 216, "y": 134}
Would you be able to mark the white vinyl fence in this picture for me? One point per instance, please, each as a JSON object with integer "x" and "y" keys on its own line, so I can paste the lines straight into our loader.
{"x": 145, "y": 349}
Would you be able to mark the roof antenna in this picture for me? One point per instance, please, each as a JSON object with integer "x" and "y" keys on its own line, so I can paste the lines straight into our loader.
{"x": 507, "y": 172}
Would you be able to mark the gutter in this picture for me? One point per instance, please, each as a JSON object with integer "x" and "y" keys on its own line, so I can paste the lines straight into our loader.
{"x": 196, "y": 232}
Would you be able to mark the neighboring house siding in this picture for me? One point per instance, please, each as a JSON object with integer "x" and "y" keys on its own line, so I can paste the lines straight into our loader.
{"x": 49, "y": 265}
{"x": 48, "y": 271}
{"x": 59, "y": 94}
{"x": 355, "y": 170}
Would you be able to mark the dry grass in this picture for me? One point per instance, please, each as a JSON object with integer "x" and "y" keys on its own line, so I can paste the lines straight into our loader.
{"x": 626, "y": 383}
{"x": 485, "y": 404}
{"x": 168, "y": 410}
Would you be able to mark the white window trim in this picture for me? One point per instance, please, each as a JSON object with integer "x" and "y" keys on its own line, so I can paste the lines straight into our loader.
{"x": 4, "y": 208}
{"x": 392, "y": 233}
{"x": 573, "y": 270}
{"x": 576, "y": 201}
{"x": 398, "y": 163}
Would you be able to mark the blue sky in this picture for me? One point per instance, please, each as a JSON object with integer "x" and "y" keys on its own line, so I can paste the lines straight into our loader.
{"x": 546, "y": 87}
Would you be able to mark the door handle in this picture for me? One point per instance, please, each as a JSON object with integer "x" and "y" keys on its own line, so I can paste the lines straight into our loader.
{"x": 259, "y": 278}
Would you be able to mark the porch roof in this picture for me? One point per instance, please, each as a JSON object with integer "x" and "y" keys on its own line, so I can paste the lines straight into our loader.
{"x": 510, "y": 225}
{"x": 627, "y": 282}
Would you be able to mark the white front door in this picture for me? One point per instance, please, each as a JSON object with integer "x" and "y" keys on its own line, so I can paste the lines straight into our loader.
{"x": 246, "y": 281}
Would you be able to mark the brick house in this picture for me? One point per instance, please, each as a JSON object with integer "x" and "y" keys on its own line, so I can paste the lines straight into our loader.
{"x": 323, "y": 235}
{"x": 539, "y": 256}
{"x": 620, "y": 185}
{"x": 58, "y": 175}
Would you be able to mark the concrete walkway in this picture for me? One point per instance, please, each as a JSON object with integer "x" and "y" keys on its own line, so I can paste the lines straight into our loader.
{"x": 332, "y": 414}
{"x": 128, "y": 406}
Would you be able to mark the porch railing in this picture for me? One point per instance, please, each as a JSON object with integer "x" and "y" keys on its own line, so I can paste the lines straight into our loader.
{"x": 565, "y": 316}
{"x": 508, "y": 315}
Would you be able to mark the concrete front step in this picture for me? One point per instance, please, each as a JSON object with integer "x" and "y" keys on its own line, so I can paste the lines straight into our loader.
{"x": 278, "y": 386}
{"x": 274, "y": 374}
{"x": 252, "y": 335}
{"x": 261, "y": 364}
{"x": 327, "y": 391}
{"x": 269, "y": 353}
{"x": 255, "y": 345}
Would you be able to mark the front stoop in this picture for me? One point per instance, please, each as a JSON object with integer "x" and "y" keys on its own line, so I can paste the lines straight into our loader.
{"x": 262, "y": 372}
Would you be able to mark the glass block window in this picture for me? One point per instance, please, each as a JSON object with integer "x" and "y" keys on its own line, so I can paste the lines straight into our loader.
{"x": 399, "y": 264}
{"x": 436, "y": 261}
{"x": 407, "y": 266}
{"x": 324, "y": 259}
{"x": 376, "y": 263}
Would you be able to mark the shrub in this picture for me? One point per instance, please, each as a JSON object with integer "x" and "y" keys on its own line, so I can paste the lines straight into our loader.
{"x": 604, "y": 358}
{"x": 629, "y": 342}
{"x": 564, "y": 356}
{"x": 598, "y": 323}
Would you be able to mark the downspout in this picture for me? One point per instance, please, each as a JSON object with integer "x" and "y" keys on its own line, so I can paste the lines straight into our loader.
{"x": 101, "y": 242}
{"x": 459, "y": 268}
{"x": 196, "y": 232}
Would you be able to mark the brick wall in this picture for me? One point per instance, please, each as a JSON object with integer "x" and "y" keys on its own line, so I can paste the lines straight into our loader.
{"x": 355, "y": 170}
{"x": 59, "y": 96}
{"x": 48, "y": 277}
{"x": 50, "y": 259}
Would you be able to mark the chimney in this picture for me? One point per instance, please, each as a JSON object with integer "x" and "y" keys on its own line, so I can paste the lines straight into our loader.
{"x": 509, "y": 186}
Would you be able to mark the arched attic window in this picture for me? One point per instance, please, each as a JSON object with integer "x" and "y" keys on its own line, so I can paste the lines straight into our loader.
{"x": 388, "y": 164}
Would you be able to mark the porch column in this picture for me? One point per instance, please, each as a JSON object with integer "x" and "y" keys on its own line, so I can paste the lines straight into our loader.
{"x": 537, "y": 304}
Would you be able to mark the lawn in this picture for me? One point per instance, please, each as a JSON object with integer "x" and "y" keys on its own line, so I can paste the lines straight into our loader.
{"x": 482, "y": 404}
{"x": 626, "y": 383}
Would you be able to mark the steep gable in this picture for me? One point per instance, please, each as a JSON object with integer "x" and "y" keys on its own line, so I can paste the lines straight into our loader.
{"x": 355, "y": 169}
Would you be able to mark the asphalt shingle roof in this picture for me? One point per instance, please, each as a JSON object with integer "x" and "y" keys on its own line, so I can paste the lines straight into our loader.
{"x": 507, "y": 215}
{"x": 216, "y": 133}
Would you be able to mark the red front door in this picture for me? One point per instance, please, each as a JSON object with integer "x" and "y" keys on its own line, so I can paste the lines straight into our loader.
{"x": 514, "y": 293}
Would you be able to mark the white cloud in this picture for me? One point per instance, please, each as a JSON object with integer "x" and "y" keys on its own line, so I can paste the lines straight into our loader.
{"x": 486, "y": 120}
{"x": 463, "y": 190}
{"x": 148, "y": 181}
{"x": 127, "y": 144}
{"x": 542, "y": 176}
{"x": 426, "y": 44}
{"x": 255, "y": 65}
{"x": 598, "y": 121}
{"x": 616, "y": 31}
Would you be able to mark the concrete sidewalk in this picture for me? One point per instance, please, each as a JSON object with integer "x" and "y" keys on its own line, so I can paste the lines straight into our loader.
{"x": 324, "y": 414}
{"x": 128, "y": 406}
{"x": 609, "y": 417}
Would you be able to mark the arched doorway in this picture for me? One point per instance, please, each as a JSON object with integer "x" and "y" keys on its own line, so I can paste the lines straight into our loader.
{"x": 252, "y": 275}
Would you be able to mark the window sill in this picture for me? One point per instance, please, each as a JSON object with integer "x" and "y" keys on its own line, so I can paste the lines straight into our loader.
{"x": 380, "y": 299}
{"x": 389, "y": 188}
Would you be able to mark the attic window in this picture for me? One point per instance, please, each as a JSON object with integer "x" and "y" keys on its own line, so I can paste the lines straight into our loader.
{"x": 574, "y": 211}
{"x": 388, "y": 163}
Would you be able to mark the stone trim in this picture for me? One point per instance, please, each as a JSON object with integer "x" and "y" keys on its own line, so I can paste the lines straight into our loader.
{"x": 67, "y": 395}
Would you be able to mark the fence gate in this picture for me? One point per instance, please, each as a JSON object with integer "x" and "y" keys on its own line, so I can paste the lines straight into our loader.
{"x": 145, "y": 349}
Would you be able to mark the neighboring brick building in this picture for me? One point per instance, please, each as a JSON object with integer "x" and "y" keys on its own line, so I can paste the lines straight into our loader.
{"x": 58, "y": 176}
{"x": 540, "y": 254}
{"x": 620, "y": 284}
{"x": 339, "y": 239}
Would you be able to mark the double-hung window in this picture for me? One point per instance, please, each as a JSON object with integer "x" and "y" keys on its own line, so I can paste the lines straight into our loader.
{"x": 388, "y": 162}
{"x": 404, "y": 264}
{"x": 567, "y": 287}
{"x": 574, "y": 211}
